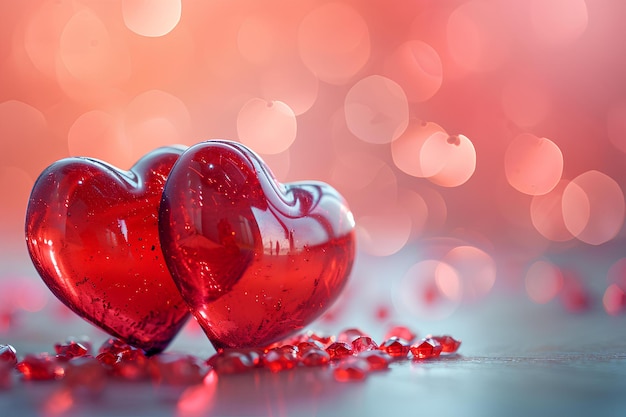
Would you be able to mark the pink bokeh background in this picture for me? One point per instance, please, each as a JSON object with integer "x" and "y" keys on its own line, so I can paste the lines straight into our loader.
{"x": 479, "y": 143}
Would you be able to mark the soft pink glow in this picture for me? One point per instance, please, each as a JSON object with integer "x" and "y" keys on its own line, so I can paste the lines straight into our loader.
{"x": 152, "y": 18}
{"x": 385, "y": 233}
{"x": 292, "y": 83}
{"x": 334, "y": 42}
{"x": 477, "y": 39}
{"x": 533, "y": 165}
{"x": 593, "y": 207}
{"x": 90, "y": 54}
{"x": 616, "y": 125}
{"x": 556, "y": 22}
{"x": 99, "y": 135}
{"x": 377, "y": 110}
{"x": 416, "y": 66}
{"x": 267, "y": 126}
{"x": 525, "y": 101}
{"x": 543, "y": 281}
{"x": 256, "y": 40}
{"x": 546, "y": 212}
{"x": 418, "y": 294}
{"x": 476, "y": 270}
{"x": 155, "y": 118}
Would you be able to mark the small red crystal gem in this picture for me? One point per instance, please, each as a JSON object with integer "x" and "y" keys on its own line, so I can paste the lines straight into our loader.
{"x": 315, "y": 357}
{"x": 338, "y": 350}
{"x": 426, "y": 348}
{"x": 232, "y": 361}
{"x": 8, "y": 355}
{"x": 71, "y": 349}
{"x": 377, "y": 360}
{"x": 362, "y": 344}
{"x": 324, "y": 340}
{"x": 115, "y": 347}
{"x": 448, "y": 343}
{"x": 349, "y": 335}
{"x": 85, "y": 373}
{"x": 6, "y": 375}
{"x": 401, "y": 332}
{"x": 176, "y": 369}
{"x": 40, "y": 367}
{"x": 395, "y": 347}
{"x": 304, "y": 346}
{"x": 280, "y": 358}
{"x": 254, "y": 259}
{"x": 351, "y": 369}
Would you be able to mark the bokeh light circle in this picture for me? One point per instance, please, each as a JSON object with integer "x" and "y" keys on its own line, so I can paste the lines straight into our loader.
{"x": 293, "y": 84}
{"x": 89, "y": 52}
{"x": 593, "y": 207}
{"x": 448, "y": 160}
{"x": 543, "y": 281}
{"x": 478, "y": 40}
{"x": 407, "y": 149}
{"x": 418, "y": 294}
{"x": 377, "y": 110}
{"x": 151, "y": 18}
{"x": 533, "y": 165}
{"x": 97, "y": 134}
{"x": 384, "y": 233}
{"x": 476, "y": 270}
{"x": 546, "y": 213}
{"x": 416, "y": 66}
{"x": 156, "y": 118}
{"x": 334, "y": 42}
{"x": 268, "y": 127}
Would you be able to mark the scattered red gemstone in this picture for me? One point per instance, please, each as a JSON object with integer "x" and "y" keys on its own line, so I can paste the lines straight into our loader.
{"x": 281, "y": 358}
{"x": 362, "y": 344}
{"x": 395, "y": 347}
{"x": 339, "y": 350}
{"x": 232, "y": 361}
{"x": 266, "y": 266}
{"x": 377, "y": 360}
{"x": 349, "y": 335}
{"x": 81, "y": 371}
{"x": 315, "y": 357}
{"x": 71, "y": 349}
{"x": 401, "y": 332}
{"x": 85, "y": 373}
{"x": 448, "y": 343}
{"x": 123, "y": 360}
{"x": 351, "y": 369}
{"x": 324, "y": 340}
{"x": 8, "y": 355}
{"x": 40, "y": 367}
{"x": 176, "y": 369}
{"x": 426, "y": 348}
{"x": 6, "y": 376}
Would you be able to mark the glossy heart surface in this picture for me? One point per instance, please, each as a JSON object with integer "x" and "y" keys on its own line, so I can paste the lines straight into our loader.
{"x": 92, "y": 234}
{"x": 254, "y": 259}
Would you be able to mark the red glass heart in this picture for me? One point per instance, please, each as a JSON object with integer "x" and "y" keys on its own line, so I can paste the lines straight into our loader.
{"x": 92, "y": 233}
{"x": 254, "y": 259}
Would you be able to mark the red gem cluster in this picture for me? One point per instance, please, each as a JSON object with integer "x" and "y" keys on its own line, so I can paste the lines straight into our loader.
{"x": 350, "y": 356}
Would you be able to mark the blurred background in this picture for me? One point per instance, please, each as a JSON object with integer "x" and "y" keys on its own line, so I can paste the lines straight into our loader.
{"x": 480, "y": 144}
